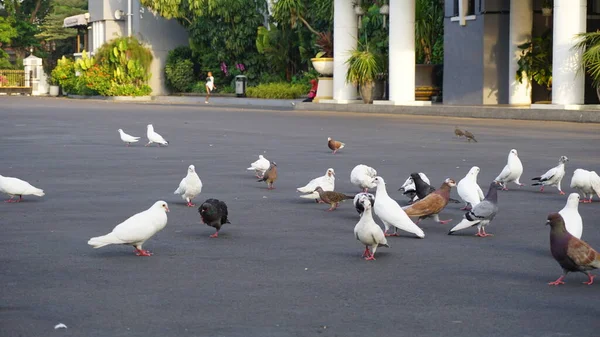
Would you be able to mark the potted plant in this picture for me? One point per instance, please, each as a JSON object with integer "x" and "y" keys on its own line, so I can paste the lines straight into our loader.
{"x": 535, "y": 61}
{"x": 547, "y": 8}
{"x": 429, "y": 42}
{"x": 363, "y": 69}
{"x": 54, "y": 88}
{"x": 589, "y": 45}
{"x": 323, "y": 61}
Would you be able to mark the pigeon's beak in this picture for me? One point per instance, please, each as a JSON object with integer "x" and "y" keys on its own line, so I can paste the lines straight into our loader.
{"x": 167, "y": 209}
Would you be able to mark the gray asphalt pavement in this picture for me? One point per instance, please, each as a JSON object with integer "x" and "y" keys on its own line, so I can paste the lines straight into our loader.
{"x": 285, "y": 266}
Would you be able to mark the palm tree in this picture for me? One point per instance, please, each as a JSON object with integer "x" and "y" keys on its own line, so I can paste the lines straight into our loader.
{"x": 589, "y": 45}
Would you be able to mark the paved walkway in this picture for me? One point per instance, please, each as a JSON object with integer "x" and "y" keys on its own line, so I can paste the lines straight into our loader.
{"x": 589, "y": 114}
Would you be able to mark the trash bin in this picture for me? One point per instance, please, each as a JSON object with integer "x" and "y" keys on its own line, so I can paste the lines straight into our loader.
{"x": 240, "y": 85}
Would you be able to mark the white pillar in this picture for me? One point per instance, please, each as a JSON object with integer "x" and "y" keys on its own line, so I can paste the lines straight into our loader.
{"x": 521, "y": 24}
{"x": 345, "y": 29}
{"x": 567, "y": 79}
{"x": 402, "y": 52}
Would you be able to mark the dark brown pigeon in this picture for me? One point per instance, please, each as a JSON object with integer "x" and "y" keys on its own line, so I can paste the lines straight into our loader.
{"x": 214, "y": 213}
{"x": 270, "y": 176}
{"x": 332, "y": 198}
{"x": 572, "y": 254}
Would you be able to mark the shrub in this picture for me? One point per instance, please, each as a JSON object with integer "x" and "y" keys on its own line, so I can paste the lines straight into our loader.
{"x": 64, "y": 74}
{"x": 180, "y": 70}
{"x": 127, "y": 59}
{"x": 277, "y": 90}
{"x": 180, "y": 75}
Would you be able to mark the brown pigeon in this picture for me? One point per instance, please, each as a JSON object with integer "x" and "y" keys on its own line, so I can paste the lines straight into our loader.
{"x": 470, "y": 137}
{"x": 458, "y": 132}
{"x": 270, "y": 176}
{"x": 332, "y": 198}
{"x": 571, "y": 253}
{"x": 334, "y": 144}
{"x": 432, "y": 204}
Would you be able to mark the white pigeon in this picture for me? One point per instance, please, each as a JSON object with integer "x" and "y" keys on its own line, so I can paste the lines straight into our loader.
{"x": 15, "y": 186}
{"x": 388, "y": 210}
{"x": 410, "y": 190}
{"x": 136, "y": 230}
{"x": 154, "y": 137}
{"x": 368, "y": 232}
{"x": 553, "y": 176}
{"x": 570, "y": 214}
{"x": 190, "y": 186}
{"x": 586, "y": 182}
{"x": 327, "y": 183}
{"x": 468, "y": 189}
{"x": 362, "y": 176}
{"x": 512, "y": 171}
{"x": 128, "y": 139}
{"x": 260, "y": 166}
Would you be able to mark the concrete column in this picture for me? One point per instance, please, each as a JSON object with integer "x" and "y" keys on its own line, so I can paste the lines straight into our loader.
{"x": 345, "y": 30}
{"x": 567, "y": 79}
{"x": 402, "y": 52}
{"x": 521, "y": 24}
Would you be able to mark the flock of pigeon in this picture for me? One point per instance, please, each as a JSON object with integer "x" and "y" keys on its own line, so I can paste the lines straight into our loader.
{"x": 573, "y": 254}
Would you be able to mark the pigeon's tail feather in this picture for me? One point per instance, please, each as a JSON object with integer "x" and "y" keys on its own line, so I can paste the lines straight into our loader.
{"x": 105, "y": 240}
{"x": 313, "y": 195}
{"x": 305, "y": 189}
{"x": 342, "y": 145}
{"x": 251, "y": 169}
{"x": 349, "y": 196}
{"x": 383, "y": 245}
{"x": 536, "y": 178}
{"x": 179, "y": 190}
{"x": 38, "y": 192}
{"x": 462, "y": 225}
{"x": 535, "y": 184}
{"x": 596, "y": 262}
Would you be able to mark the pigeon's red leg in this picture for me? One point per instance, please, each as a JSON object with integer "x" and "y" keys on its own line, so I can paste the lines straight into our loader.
{"x": 366, "y": 253}
{"x": 395, "y": 234}
{"x": 542, "y": 189}
{"x": 10, "y": 200}
{"x": 558, "y": 281}
{"x": 590, "y": 280}
{"x": 216, "y": 235}
{"x": 189, "y": 204}
{"x": 443, "y": 222}
{"x": 334, "y": 151}
{"x": 482, "y": 234}
{"x": 561, "y": 193}
{"x": 370, "y": 257}
{"x": 466, "y": 208}
{"x": 141, "y": 252}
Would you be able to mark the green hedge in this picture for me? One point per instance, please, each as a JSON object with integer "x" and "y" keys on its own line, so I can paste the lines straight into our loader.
{"x": 277, "y": 90}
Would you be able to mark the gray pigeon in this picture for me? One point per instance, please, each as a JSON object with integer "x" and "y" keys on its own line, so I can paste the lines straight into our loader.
{"x": 572, "y": 254}
{"x": 482, "y": 214}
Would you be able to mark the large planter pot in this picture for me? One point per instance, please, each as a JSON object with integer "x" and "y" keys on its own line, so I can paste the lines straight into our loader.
{"x": 426, "y": 82}
{"x": 54, "y": 90}
{"x": 323, "y": 65}
{"x": 366, "y": 92}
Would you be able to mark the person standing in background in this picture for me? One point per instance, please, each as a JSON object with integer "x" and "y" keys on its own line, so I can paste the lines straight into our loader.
{"x": 210, "y": 86}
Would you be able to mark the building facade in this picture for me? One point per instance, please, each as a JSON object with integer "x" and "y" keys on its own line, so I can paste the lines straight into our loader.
{"x": 113, "y": 18}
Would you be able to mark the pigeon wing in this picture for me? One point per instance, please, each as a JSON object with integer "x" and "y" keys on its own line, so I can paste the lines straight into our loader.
{"x": 484, "y": 210}
{"x": 431, "y": 204}
{"x": 582, "y": 254}
{"x": 139, "y": 227}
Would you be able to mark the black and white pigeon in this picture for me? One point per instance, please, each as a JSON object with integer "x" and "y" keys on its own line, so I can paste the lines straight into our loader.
{"x": 423, "y": 189}
{"x": 214, "y": 214}
{"x": 481, "y": 214}
{"x": 409, "y": 188}
{"x": 553, "y": 176}
{"x": 358, "y": 205}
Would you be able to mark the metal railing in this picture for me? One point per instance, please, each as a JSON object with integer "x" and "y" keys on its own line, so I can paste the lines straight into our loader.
{"x": 12, "y": 78}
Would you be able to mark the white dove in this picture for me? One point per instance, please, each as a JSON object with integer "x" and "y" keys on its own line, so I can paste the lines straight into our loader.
{"x": 128, "y": 139}
{"x": 327, "y": 183}
{"x": 15, "y": 186}
{"x": 190, "y": 186}
{"x": 260, "y": 166}
{"x": 512, "y": 171}
{"x": 586, "y": 182}
{"x": 154, "y": 137}
{"x": 410, "y": 190}
{"x": 136, "y": 230}
{"x": 468, "y": 189}
{"x": 390, "y": 213}
{"x": 362, "y": 176}
{"x": 553, "y": 176}
{"x": 570, "y": 214}
{"x": 367, "y": 231}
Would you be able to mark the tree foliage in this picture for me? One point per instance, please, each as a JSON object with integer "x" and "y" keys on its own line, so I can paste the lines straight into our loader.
{"x": 52, "y": 27}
